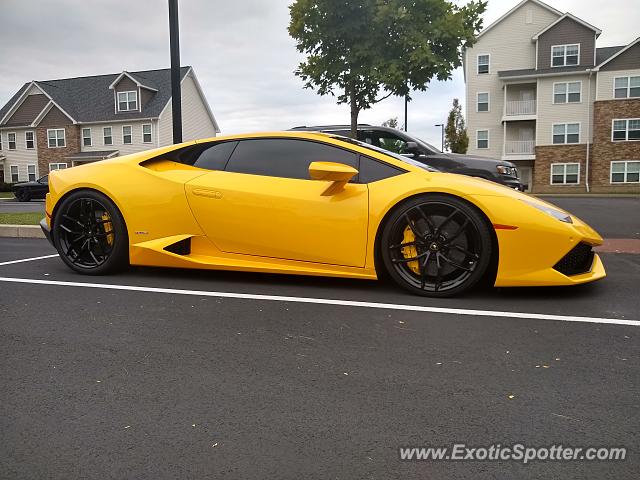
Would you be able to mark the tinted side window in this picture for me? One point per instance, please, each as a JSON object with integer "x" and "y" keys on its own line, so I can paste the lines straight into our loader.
{"x": 215, "y": 157}
{"x": 276, "y": 157}
{"x": 372, "y": 170}
{"x": 392, "y": 143}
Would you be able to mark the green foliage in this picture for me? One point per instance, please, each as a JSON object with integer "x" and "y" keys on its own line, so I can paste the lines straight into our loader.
{"x": 356, "y": 48}
{"x": 26, "y": 218}
{"x": 455, "y": 132}
{"x": 391, "y": 123}
{"x": 390, "y": 144}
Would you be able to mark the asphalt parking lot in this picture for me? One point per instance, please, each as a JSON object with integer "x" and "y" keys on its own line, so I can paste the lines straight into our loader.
{"x": 181, "y": 374}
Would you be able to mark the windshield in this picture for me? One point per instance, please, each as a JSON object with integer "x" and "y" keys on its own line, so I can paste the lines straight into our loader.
{"x": 397, "y": 156}
{"x": 427, "y": 144}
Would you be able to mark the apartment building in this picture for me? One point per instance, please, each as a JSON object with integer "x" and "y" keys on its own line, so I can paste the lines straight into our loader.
{"x": 55, "y": 124}
{"x": 541, "y": 93}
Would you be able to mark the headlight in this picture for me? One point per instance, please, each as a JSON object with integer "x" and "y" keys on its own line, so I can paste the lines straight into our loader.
{"x": 504, "y": 170}
{"x": 557, "y": 214}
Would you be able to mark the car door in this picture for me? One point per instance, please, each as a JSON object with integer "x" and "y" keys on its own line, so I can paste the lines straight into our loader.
{"x": 265, "y": 204}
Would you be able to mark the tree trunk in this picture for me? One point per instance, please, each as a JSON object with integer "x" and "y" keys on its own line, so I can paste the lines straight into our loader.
{"x": 354, "y": 112}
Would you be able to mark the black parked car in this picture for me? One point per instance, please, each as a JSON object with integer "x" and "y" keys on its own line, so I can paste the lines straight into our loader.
{"x": 37, "y": 189}
{"x": 396, "y": 141}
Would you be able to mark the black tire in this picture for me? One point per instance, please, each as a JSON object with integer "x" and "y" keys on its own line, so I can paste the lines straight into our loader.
{"x": 22, "y": 195}
{"x": 90, "y": 234}
{"x": 436, "y": 245}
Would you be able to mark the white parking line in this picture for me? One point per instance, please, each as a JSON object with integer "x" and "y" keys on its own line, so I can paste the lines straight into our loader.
{"x": 28, "y": 259}
{"x": 327, "y": 301}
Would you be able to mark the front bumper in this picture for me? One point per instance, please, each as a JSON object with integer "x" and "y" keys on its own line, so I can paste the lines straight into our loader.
{"x": 46, "y": 230}
{"x": 512, "y": 183}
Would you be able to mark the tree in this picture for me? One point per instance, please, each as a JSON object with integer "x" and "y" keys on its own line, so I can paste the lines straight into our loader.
{"x": 360, "y": 47}
{"x": 455, "y": 133}
{"x": 391, "y": 123}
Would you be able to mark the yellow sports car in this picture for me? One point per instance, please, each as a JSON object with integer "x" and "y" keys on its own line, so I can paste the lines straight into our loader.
{"x": 311, "y": 204}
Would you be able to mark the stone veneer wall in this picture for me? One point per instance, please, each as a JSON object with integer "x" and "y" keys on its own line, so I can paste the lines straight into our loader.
{"x": 546, "y": 155}
{"x": 48, "y": 155}
{"x": 604, "y": 150}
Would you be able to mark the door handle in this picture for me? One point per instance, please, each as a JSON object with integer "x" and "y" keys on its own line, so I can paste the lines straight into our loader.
{"x": 202, "y": 192}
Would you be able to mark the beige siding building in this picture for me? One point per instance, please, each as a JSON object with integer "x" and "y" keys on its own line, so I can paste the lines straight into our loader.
{"x": 55, "y": 124}
{"x": 535, "y": 83}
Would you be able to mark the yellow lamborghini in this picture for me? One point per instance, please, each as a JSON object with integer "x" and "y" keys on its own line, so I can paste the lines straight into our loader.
{"x": 311, "y": 204}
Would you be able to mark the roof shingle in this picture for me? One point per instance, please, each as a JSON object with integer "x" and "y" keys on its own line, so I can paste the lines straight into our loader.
{"x": 88, "y": 99}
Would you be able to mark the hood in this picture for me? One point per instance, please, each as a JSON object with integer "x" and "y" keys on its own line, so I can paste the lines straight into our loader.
{"x": 23, "y": 184}
{"x": 476, "y": 158}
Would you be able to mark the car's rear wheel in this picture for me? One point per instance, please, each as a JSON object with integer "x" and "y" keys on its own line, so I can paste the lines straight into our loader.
{"x": 436, "y": 245}
{"x": 90, "y": 234}
{"x": 22, "y": 195}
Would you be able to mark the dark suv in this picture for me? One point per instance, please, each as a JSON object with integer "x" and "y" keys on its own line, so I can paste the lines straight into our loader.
{"x": 396, "y": 141}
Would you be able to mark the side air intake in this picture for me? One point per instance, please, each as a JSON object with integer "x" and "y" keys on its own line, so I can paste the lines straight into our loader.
{"x": 183, "y": 247}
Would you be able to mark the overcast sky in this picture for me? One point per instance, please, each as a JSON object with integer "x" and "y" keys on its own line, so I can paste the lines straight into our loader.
{"x": 241, "y": 52}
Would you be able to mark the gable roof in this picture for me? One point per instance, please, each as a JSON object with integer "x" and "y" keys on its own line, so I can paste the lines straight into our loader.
{"x": 5, "y": 109}
{"x": 570, "y": 17}
{"x": 604, "y": 53}
{"x": 139, "y": 81}
{"x": 89, "y": 99}
{"x": 537, "y": 2}
{"x": 614, "y": 55}
{"x": 23, "y": 94}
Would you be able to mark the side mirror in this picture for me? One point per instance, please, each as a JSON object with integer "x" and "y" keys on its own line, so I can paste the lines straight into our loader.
{"x": 338, "y": 173}
{"x": 412, "y": 148}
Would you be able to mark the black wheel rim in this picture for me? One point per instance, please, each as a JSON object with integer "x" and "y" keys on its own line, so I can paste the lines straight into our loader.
{"x": 85, "y": 233}
{"x": 435, "y": 246}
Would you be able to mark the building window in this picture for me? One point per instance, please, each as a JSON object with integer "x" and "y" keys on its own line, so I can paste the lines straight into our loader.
{"x": 567, "y": 92}
{"x": 56, "y": 138}
{"x": 626, "y": 87}
{"x": 127, "y": 101}
{"x": 107, "y": 136}
{"x": 126, "y": 134}
{"x": 31, "y": 172}
{"x": 626, "y": 130}
{"x": 11, "y": 140}
{"x": 565, "y": 173}
{"x": 29, "y": 140}
{"x": 14, "y": 173}
{"x": 86, "y": 137}
{"x": 483, "y": 102}
{"x": 57, "y": 166}
{"x": 566, "y": 133}
{"x": 483, "y": 64}
{"x": 565, "y": 55}
{"x": 146, "y": 133}
{"x": 625, "y": 172}
{"x": 482, "y": 139}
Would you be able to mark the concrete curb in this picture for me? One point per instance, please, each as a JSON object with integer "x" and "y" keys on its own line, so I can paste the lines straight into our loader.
{"x": 588, "y": 195}
{"x": 21, "y": 231}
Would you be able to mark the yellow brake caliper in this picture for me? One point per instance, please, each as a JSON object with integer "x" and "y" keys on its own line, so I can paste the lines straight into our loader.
{"x": 108, "y": 228}
{"x": 410, "y": 251}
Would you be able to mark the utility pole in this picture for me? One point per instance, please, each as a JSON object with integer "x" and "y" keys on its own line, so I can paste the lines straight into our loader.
{"x": 441, "y": 125}
{"x": 176, "y": 95}
{"x": 406, "y": 101}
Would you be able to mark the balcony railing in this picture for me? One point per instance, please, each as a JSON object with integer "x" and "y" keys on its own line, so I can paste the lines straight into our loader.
{"x": 521, "y": 147}
{"x": 521, "y": 107}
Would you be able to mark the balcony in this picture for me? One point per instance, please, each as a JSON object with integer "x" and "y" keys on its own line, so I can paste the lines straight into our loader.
{"x": 520, "y": 107}
{"x": 520, "y": 147}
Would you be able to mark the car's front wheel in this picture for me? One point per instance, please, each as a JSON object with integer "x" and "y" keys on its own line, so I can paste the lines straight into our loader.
{"x": 90, "y": 233}
{"x": 22, "y": 195}
{"x": 436, "y": 245}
